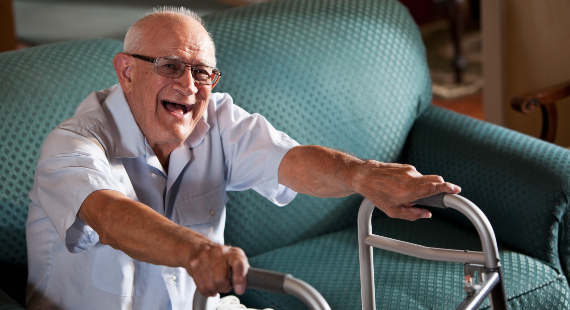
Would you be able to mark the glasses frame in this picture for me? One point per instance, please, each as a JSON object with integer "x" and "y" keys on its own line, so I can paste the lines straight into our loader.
{"x": 215, "y": 72}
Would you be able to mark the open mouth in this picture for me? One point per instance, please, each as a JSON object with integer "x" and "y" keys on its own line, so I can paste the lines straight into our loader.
{"x": 176, "y": 108}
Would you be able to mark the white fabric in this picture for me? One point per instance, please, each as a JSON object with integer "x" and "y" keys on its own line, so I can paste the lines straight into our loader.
{"x": 102, "y": 147}
{"x": 231, "y": 302}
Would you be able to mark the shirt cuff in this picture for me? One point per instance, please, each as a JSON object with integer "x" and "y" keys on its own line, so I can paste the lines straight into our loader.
{"x": 271, "y": 189}
{"x": 80, "y": 237}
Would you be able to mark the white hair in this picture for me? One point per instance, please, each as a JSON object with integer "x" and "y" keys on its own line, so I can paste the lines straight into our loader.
{"x": 134, "y": 42}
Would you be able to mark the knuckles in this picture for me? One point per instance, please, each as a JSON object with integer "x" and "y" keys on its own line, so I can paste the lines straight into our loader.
{"x": 439, "y": 179}
{"x": 210, "y": 268}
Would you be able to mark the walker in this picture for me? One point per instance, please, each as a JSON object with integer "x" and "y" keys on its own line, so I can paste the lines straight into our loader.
{"x": 489, "y": 278}
{"x": 483, "y": 272}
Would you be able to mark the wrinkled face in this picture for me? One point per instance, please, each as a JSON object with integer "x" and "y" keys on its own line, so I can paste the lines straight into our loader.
{"x": 167, "y": 110}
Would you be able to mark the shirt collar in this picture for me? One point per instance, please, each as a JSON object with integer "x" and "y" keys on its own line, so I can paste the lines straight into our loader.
{"x": 130, "y": 141}
{"x": 199, "y": 133}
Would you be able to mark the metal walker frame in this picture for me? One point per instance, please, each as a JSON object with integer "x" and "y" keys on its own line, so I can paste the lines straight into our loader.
{"x": 486, "y": 263}
{"x": 275, "y": 282}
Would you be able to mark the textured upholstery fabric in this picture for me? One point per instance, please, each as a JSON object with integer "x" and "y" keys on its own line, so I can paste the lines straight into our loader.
{"x": 330, "y": 264}
{"x": 348, "y": 74}
{"x": 521, "y": 184}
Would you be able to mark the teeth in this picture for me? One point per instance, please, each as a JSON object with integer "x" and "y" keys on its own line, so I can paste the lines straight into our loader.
{"x": 182, "y": 108}
{"x": 174, "y": 107}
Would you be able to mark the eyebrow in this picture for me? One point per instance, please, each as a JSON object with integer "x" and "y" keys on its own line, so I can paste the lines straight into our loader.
{"x": 200, "y": 61}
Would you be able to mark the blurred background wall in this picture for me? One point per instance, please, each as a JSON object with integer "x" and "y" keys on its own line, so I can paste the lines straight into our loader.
{"x": 537, "y": 55}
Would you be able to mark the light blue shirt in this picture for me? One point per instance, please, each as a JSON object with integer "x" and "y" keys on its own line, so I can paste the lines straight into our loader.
{"x": 102, "y": 147}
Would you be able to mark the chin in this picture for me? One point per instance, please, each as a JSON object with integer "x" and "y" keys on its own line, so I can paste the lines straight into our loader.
{"x": 181, "y": 135}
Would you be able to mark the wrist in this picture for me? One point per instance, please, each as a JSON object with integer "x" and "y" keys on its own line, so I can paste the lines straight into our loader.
{"x": 357, "y": 174}
{"x": 191, "y": 245}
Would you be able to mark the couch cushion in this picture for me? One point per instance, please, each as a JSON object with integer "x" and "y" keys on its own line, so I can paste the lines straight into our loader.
{"x": 347, "y": 74}
{"x": 330, "y": 264}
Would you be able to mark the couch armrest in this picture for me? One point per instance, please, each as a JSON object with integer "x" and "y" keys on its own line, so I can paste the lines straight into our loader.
{"x": 521, "y": 183}
{"x": 7, "y": 303}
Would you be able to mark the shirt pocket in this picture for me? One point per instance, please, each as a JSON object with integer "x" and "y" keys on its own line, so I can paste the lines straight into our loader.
{"x": 115, "y": 272}
{"x": 202, "y": 209}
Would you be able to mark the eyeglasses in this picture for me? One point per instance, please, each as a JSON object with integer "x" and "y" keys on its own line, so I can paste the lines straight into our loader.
{"x": 173, "y": 69}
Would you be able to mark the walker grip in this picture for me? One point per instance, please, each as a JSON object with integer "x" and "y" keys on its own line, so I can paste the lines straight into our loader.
{"x": 432, "y": 201}
{"x": 266, "y": 280}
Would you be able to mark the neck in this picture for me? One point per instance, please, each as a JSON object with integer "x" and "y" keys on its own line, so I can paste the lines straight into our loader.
{"x": 163, "y": 154}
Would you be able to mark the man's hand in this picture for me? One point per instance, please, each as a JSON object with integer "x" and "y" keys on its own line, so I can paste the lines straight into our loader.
{"x": 212, "y": 266}
{"x": 322, "y": 172}
{"x": 394, "y": 187}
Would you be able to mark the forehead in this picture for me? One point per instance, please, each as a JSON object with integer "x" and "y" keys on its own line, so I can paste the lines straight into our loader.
{"x": 180, "y": 37}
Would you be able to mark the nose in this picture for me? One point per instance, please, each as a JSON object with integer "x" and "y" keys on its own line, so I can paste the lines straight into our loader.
{"x": 186, "y": 84}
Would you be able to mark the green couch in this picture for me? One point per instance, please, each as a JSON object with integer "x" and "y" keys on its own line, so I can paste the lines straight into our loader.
{"x": 346, "y": 74}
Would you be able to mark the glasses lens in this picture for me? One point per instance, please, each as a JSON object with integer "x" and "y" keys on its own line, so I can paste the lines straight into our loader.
{"x": 202, "y": 74}
{"x": 173, "y": 69}
{"x": 169, "y": 68}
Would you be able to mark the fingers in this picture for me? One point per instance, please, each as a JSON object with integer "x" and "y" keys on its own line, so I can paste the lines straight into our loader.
{"x": 408, "y": 213}
{"x": 213, "y": 266}
{"x": 239, "y": 266}
{"x": 202, "y": 274}
{"x": 434, "y": 184}
{"x": 431, "y": 185}
{"x": 394, "y": 187}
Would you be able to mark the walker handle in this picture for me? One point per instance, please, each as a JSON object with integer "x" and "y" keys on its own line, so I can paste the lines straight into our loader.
{"x": 266, "y": 280}
{"x": 432, "y": 201}
{"x": 275, "y": 282}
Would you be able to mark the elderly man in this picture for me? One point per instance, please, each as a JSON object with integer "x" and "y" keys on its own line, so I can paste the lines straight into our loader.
{"x": 128, "y": 205}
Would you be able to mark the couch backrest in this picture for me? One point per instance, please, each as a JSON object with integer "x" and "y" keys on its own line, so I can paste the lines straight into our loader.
{"x": 40, "y": 87}
{"x": 346, "y": 74}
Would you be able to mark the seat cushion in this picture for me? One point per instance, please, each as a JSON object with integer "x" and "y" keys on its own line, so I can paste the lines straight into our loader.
{"x": 330, "y": 263}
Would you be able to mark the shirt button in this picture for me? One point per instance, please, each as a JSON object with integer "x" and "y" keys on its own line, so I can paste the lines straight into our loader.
{"x": 212, "y": 212}
{"x": 172, "y": 279}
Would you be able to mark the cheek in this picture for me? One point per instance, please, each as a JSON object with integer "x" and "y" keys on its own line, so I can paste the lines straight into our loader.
{"x": 149, "y": 94}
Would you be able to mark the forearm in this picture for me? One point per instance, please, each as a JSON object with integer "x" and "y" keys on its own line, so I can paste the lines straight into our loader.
{"x": 322, "y": 172}
{"x": 139, "y": 231}
{"x": 319, "y": 171}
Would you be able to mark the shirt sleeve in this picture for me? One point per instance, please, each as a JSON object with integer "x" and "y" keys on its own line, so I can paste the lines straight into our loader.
{"x": 253, "y": 151}
{"x": 70, "y": 168}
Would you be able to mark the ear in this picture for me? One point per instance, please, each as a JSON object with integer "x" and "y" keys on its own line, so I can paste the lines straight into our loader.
{"x": 123, "y": 64}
